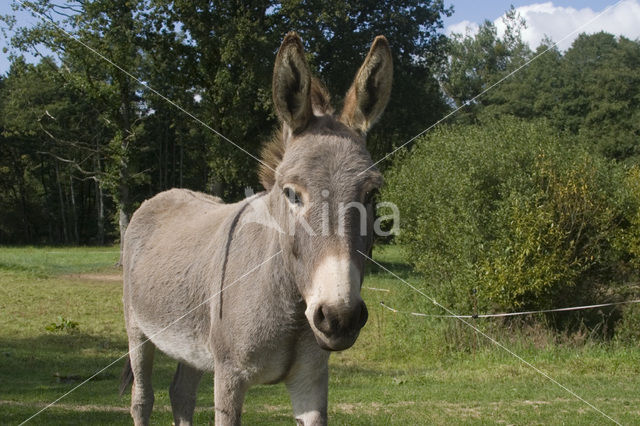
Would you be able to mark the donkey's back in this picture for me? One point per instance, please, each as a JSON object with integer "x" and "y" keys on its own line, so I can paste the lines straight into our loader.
{"x": 155, "y": 225}
{"x": 158, "y": 213}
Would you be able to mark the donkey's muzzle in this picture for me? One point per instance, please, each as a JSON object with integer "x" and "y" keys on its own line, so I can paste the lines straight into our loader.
{"x": 339, "y": 326}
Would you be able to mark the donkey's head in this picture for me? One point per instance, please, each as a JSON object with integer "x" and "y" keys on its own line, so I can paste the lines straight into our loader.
{"x": 321, "y": 184}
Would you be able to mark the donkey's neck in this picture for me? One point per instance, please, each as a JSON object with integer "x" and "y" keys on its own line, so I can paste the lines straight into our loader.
{"x": 258, "y": 231}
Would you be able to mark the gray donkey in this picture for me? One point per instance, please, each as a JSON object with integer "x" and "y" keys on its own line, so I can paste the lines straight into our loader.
{"x": 255, "y": 303}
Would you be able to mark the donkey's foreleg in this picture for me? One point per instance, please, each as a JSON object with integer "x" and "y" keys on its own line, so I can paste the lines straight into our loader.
{"x": 183, "y": 394}
{"x": 229, "y": 390}
{"x": 308, "y": 384}
{"x": 141, "y": 353}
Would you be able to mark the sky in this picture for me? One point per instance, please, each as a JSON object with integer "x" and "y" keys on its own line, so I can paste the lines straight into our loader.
{"x": 23, "y": 18}
{"x": 556, "y": 19}
{"x": 562, "y": 21}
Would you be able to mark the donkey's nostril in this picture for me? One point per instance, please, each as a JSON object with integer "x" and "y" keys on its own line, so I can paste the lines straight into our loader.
{"x": 334, "y": 323}
{"x": 320, "y": 319}
{"x": 364, "y": 315}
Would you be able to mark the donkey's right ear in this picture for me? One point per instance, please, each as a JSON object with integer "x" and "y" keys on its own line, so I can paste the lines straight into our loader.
{"x": 292, "y": 84}
{"x": 370, "y": 91}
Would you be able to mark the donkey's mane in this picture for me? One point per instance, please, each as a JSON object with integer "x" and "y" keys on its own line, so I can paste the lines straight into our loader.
{"x": 273, "y": 151}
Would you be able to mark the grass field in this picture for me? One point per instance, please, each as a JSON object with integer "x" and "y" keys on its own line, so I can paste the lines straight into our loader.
{"x": 402, "y": 370}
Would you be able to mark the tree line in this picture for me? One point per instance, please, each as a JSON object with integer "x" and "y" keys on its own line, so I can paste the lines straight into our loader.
{"x": 82, "y": 143}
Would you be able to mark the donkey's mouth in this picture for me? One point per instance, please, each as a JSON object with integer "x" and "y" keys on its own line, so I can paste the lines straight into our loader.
{"x": 336, "y": 343}
{"x": 337, "y": 329}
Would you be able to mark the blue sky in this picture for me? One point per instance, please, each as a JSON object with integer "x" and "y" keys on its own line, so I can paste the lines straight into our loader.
{"x": 23, "y": 18}
{"x": 560, "y": 20}
{"x": 552, "y": 18}
{"x": 479, "y": 10}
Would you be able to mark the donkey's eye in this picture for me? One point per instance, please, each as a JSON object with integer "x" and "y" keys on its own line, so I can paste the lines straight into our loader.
{"x": 370, "y": 195}
{"x": 292, "y": 196}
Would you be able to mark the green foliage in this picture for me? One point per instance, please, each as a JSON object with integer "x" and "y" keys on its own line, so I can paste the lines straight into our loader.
{"x": 89, "y": 143}
{"x": 628, "y": 327}
{"x": 601, "y": 93}
{"x": 630, "y": 240}
{"x": 63, "y": 324}
{"x": 509, "y": 214}
{"x": 478, "y": 62}
{"x": 593, "y": 89}
{"x": 556, "y": 232}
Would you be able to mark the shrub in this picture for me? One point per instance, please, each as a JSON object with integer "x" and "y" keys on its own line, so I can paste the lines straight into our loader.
{"x": 630, "y": 240}
{"x": 628, "y": 328}
{"x": 555, "y": 235}
{"x": 508, "y": 214}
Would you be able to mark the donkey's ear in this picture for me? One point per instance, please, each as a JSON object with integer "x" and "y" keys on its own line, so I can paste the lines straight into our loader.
{"x": 371, "y": 88}
{"x": 292, "y": 84}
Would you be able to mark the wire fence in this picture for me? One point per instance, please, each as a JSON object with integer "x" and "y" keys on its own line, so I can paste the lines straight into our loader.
{"x": 509, "y": 314}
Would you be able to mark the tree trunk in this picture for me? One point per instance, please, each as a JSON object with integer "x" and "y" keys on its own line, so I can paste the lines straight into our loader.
{"x": 62, "y": 211}
{"x": 165, "y": 144}
{"x": 74, "y": 213}
{"x": 215, "y": 187}
{"x": 46, "y": 204}
{"x": 173, "y": 162}
{"x": 123, "y": 208}
{"x": 23, "y": 202}
{"x": 123, "y": 23}
{"x": 100, "y": 208}
{"x": 99, "y": 199}
{"x": 181, "y": 158}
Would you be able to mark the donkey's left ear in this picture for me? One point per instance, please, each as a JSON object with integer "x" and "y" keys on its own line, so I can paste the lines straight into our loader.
{"x": 370, "y": 91}
{"x": 292, "y": 84}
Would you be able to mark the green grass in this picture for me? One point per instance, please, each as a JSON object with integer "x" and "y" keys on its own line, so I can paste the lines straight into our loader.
{"x": 402, "y": 370}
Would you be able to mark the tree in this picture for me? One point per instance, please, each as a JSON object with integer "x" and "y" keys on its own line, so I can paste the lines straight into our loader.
{"x": 339, "y": 34}
{"x": 234, "y": 50}
{"x": 592, "y": 89}
{"x": 51, "y": 145}
{"x": 478, "y": 62}
{"x": 109, "y": 27}
{"x": 215, "y": 60}
{"x": 601, "y": 94}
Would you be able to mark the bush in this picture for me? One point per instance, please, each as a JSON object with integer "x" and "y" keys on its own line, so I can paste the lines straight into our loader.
{"x": 509, "y": 215}
{"x": 628, "y": 328}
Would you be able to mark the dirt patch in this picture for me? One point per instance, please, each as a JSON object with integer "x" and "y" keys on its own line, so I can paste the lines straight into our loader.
{"x": 274, "y": 408}
{"x": 90, "y": 407}
{"x": 104, "y": 277}
{"x": 82, "y": 408}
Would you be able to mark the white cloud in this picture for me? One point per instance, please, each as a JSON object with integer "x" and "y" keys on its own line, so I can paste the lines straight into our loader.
{"x": 564, "y": 24}
{"x": 463, "y": 27}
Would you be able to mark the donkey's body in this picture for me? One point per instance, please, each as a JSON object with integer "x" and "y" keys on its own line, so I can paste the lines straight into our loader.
{"x": 175, "y": 250}
{"x": 255, "y": 303}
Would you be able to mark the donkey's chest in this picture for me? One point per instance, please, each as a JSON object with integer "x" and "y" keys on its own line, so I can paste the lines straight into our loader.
{"x": 265, "y": 353}
{"x": 273, "y": 363}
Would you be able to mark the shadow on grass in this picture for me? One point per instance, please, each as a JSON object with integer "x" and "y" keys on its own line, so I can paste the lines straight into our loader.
{"x": 42, "y": 368}
{"x": 37, "y": 371}
{"x": 16, "y": 414}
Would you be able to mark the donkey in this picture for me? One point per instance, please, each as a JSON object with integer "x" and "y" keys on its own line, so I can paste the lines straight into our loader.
{"x": 260, "y": 304}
